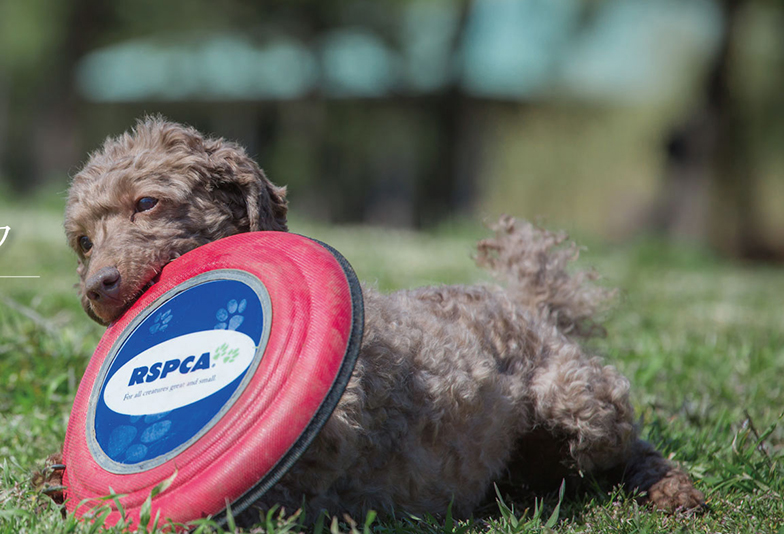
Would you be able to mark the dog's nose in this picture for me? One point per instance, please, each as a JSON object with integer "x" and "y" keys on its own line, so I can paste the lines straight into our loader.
{"x": 104, "y": 283}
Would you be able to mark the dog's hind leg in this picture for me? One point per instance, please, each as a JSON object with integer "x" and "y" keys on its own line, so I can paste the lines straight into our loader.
{"x": 663, "y": 484}
{"x": 585, "y": 406}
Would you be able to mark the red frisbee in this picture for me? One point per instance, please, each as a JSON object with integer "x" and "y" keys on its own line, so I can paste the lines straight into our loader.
{"x": 223, "y": 372}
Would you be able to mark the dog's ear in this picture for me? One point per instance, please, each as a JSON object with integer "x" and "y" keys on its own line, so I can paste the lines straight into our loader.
{"x": 241, "y": 184}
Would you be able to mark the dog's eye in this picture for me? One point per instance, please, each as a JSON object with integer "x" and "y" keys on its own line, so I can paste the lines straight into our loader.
{"x": 85, "y": 244}
{"x": 145, "y": 204}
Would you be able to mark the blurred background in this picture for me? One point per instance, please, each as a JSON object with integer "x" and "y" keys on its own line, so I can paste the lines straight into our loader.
{"x": 612, "y": 118}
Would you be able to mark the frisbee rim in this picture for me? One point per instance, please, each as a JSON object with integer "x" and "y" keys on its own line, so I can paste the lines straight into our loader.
{"x": 327, "y": 406}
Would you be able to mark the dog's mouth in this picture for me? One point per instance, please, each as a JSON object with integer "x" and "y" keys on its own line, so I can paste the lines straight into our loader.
{"x": 154, "y": 280}
{"x": 154, "y": 275}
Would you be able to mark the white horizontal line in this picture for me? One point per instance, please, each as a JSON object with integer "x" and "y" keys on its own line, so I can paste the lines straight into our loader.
{"x": 20, "y": 277}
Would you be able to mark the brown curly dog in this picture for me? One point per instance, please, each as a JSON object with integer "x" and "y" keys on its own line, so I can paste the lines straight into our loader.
{"x": 455, "y": 387}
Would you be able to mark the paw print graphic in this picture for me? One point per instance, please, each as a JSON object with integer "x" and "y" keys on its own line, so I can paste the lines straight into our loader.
{"x": 227, "y": 356}
{"x": 123, "y": 445}
{"x": 161, "y": 321}
{"x": 229, "y": 318}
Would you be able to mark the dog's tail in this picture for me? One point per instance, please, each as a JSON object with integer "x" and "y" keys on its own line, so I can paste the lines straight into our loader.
{"x": 532, "y": 263}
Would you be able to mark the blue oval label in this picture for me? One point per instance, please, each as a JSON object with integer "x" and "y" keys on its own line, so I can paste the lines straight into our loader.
{"x": 187, "y": 358}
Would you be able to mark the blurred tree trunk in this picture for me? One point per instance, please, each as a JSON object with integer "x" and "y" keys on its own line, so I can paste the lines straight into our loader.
{"x": 57, "y": 137}
{"x": 43, "y": 138}
{"x": 710, "y": 181}
{"x": 443, "y": 189}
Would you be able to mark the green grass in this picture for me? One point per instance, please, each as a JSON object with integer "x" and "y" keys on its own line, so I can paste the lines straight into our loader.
{"x": 701, "y": 340}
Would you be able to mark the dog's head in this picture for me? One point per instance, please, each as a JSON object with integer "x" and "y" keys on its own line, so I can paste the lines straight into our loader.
{"x": 152, "y": 194}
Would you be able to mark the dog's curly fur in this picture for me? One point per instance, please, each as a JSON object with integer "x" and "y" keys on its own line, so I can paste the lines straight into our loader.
{"x": 455, "y": 385}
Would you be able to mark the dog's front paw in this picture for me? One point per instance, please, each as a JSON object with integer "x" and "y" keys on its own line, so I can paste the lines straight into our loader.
{"x": 676, "y": 492}
{"x": 49, "y": 480}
